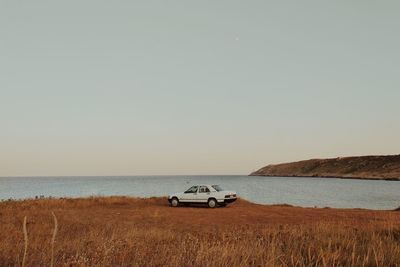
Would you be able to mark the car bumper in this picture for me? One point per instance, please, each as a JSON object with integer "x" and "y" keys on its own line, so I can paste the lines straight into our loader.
{"x": 229, "y": 200}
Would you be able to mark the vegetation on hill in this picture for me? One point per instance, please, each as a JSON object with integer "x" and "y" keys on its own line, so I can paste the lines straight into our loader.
{"x": 365, "y": 167}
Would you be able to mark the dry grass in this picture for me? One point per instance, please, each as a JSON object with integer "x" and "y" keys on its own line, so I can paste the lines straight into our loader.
{"x": 25, "y": 242}
{"x": 120, "y": 231}
{"x": 53, "y": 239}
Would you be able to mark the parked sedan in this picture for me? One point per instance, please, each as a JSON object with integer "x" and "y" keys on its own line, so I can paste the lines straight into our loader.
{"x": 212, "y": 195}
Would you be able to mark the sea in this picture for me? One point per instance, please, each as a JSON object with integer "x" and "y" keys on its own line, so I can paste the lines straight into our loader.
{"x": 304, "y": 192}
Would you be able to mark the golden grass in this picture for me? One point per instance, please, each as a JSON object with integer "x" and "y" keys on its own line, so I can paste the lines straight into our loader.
{"x": 53, "y": 239}
{"x": 25, "y": 242}
{"x": 119, "y": 231}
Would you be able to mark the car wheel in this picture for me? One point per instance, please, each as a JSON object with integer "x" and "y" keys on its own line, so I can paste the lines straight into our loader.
{"x": 174, "y": 202}
{"x": 212, "y": 203}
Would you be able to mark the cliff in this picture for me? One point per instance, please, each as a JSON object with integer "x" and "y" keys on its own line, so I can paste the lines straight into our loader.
{"x": 364, "y": 167}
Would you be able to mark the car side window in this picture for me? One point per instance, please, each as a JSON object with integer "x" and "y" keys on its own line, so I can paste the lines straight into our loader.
{"x": 193, "y": 189}
{"x": 204, "y": 189}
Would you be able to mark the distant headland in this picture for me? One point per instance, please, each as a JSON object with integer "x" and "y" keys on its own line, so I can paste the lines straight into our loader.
{"x": 364, "y": 167}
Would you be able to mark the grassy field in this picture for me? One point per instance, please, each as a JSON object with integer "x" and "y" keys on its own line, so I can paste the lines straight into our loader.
{"x": 119, "y": 231}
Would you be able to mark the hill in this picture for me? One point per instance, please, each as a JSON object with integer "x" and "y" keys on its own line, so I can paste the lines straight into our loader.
{"x": 364, "y": 167}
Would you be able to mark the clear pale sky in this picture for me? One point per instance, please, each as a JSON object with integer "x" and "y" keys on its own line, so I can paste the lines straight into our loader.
{"x": 194, "y": 87}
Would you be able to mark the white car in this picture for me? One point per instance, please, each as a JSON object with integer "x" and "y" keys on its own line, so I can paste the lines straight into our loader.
{"x": 212, "y": 195}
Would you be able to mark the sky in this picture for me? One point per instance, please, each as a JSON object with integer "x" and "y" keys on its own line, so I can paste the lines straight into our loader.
{"x": 194, "y": 87}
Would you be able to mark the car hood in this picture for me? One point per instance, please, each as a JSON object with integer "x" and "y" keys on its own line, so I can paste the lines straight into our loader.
{"x": 176, "y": 194}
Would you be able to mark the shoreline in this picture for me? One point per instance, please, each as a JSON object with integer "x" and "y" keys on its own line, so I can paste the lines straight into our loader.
{"x": 83, "y": 198}
{"x": 330, "y": 176}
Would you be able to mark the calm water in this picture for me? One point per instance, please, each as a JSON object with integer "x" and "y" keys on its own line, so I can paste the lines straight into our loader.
{"x": 306, "y": 192}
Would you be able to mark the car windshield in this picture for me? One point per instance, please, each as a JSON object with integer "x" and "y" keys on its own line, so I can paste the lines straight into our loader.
{"x": 217, "y": 187}
{"x": 193, "y": 189}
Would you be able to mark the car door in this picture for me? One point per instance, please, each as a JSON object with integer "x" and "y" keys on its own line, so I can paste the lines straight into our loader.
{"x": 190, "y": 195}
{"x": 203, "y": 194}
